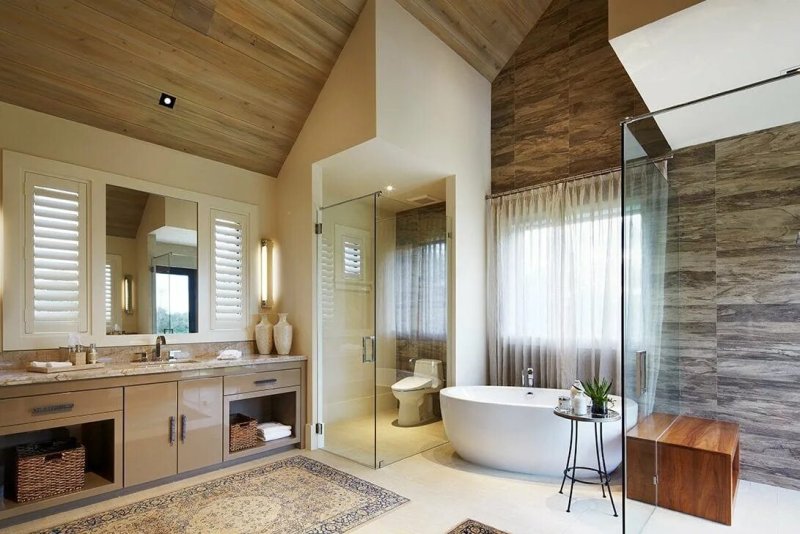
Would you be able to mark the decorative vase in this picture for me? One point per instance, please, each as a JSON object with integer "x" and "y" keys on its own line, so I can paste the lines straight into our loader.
{"x": 264, "y": 336}
{"x": 600, "y": 408}
{"x": 283, "y": 335}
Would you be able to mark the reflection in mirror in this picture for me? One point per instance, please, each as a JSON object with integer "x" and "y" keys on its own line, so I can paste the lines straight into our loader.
{"x": 151, "y": 263}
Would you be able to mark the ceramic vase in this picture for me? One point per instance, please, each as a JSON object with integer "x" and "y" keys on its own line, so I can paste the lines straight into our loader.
{"x": 264, "y": 336}
{"x": 283, "y": 335}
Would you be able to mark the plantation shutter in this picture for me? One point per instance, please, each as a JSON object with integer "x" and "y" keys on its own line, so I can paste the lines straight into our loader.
{"x": 107, "y": 298}
{"x": 56, "y": 289}
{"x": 352, "y": 258}
{"x": 229, "y": 270}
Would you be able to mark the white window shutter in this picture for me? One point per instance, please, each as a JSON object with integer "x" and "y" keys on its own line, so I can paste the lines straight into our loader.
{"x": 352, "y": 258}
{"x": 56, "y": 297}
{"x": 229, "y": 270}
{"x": 108, "y": 281}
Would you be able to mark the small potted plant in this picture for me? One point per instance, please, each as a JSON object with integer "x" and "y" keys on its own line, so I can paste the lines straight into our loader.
{"x": 597, "y": 390}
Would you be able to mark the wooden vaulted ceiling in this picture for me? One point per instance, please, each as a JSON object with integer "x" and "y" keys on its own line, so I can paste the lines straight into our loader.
{"x": 245, "y": 72}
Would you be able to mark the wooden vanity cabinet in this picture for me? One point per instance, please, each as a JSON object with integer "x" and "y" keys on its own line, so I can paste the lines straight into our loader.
{"x": 199, "y": 423}
{"x": 150, "y": 422}
{"x": 172, "y": 427}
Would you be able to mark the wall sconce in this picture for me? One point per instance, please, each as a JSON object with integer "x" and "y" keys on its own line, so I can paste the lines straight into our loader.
{"x": 266, "y": 273}
{"x": 127, "y": 294}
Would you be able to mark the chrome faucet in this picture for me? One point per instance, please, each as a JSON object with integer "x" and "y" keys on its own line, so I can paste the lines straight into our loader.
{"x": 527, "y": 378}
{"x": 160, "y": 340}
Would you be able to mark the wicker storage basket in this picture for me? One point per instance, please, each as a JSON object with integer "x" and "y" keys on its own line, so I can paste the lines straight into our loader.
{"x": 46, "y": 469}
{"x": 244, "y": 432}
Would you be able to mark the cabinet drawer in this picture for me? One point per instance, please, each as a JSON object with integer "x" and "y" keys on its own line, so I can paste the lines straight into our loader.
{"x": 258, "y": 381}
{"x": 46, "y": 407}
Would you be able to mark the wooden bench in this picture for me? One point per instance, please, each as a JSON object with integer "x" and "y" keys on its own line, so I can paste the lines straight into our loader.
{"x": 694, "y": 461}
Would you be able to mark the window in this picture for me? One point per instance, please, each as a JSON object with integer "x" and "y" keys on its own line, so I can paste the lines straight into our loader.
{"x": 176, "y": 300}
{"x": 421, "y": 291}
{"x": 352, "y": 257}
{"x": 56, "y": 297}
{"x": 229, "y": 268}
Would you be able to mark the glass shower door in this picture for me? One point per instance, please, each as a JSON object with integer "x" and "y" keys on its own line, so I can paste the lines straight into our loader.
{"x": 648, "y": 380}
{"x": 347, "y": 343}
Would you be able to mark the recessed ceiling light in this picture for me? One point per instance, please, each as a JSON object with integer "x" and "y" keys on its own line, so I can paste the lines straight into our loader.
{"x": 167, "y": 101}
{"x": 390, "y": 188}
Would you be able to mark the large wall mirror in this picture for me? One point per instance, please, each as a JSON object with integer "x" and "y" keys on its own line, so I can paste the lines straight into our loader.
{"x": 151, "y": 263}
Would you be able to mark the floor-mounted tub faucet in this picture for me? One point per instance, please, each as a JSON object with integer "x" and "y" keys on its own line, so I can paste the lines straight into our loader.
{"x": 527, "y": 378}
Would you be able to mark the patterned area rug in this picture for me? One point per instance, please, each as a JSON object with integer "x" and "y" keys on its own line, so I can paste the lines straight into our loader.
{"x": 296, "y": 495}
{"x": 470, "y": 526}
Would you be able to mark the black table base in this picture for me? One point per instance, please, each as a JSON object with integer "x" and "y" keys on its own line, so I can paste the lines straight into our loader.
{"x": 601, "y": 471}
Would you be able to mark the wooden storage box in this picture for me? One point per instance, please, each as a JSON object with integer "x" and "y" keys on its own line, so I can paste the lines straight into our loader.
{"x": 244, "y": 432}
{"x": 43, "y": 470}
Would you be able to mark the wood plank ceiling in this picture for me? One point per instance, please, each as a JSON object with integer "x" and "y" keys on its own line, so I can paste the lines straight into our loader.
{"x": 245, "y": 72}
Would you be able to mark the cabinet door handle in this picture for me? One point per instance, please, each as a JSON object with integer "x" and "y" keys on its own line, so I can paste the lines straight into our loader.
{"x": 183, "y": 428}
{"x": 265, "y": 381}
{"x": 53, "y": 408}
{"x": 171, "y": 430}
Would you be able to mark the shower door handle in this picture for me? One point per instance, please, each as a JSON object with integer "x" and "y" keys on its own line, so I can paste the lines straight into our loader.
{"x": 641, "y": 372}
{"x": 368, "y": 340}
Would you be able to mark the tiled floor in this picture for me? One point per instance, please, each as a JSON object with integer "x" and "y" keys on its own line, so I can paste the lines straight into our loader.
{"x": 353, "y": 438}
{"x": 444, "y": 490}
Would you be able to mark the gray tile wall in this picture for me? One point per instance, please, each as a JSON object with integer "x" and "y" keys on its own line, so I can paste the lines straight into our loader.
{"x": 734, "y": 295}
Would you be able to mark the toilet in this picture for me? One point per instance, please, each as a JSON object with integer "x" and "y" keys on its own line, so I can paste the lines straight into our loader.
{"x": 415, "y": 392}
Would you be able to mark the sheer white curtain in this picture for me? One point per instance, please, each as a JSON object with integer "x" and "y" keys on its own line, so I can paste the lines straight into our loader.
{"x": 554, "y": 262}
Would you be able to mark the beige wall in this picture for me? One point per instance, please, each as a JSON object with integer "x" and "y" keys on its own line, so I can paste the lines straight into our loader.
{"x": 343, "y": 116}
{"x": 125, "y": 248}
{"x": 437, "y": 107}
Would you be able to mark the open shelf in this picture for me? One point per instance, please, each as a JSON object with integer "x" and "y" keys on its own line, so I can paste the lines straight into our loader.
{"x": 280, "y": 405}
{"x": 100, "y": 434}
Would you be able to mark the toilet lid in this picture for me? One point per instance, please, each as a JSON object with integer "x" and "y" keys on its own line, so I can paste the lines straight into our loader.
{"x": 411, "y": 383}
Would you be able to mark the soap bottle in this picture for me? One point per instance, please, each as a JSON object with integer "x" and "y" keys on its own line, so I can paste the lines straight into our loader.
{"x": 92, "y": 355}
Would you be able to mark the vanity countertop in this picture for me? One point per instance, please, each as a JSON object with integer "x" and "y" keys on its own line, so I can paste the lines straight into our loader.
{"x": 20, "y": 377}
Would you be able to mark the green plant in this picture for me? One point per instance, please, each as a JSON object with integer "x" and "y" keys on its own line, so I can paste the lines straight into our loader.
{"x": 597, "y": 390}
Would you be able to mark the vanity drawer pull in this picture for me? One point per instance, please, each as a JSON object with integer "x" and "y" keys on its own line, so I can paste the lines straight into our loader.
{"x": 53, "y": 408}
{"x": 265, "y": 381}
{"x": 249, "y": 382}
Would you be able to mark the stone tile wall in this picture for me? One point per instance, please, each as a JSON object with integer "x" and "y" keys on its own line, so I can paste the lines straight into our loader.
{"x": 558, "y": 102}
{"x": 734, "y": 305}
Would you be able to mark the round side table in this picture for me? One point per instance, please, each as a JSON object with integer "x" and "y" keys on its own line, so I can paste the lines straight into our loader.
{"x": 571, "y": 472}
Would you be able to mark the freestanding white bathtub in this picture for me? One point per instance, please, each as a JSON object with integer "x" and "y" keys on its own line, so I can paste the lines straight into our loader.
{"x": 515, "y": 429}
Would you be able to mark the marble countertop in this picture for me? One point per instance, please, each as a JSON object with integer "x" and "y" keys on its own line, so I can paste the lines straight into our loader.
{"x": 20, "y": 377}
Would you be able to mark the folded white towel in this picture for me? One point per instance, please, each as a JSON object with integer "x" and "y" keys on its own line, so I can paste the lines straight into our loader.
{"x": 273, "y": 425}
{"x": 52, "y": 365}
{"x": 230, "y": 354}
{"x": 271, "y": 436}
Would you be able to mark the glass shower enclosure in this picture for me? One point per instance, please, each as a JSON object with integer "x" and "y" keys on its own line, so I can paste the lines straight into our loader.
{"x": 381, "y": 306}
{"x": 710, "y": 282}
